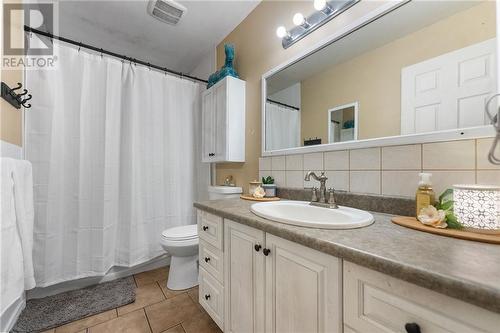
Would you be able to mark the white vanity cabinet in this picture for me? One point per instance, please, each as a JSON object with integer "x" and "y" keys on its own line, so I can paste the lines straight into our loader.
{"x": 273, "y": 285}
{"x": 244, "y": 278}
{"x": 252, "y": 281}
{"x": 303, "y": 288}
{"x": 375, "y": 302}
{"x": 223, "y": 121}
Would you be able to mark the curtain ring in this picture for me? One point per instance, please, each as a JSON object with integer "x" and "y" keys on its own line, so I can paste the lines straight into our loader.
{"x": 165, "y": 71}
{"x": 101, "y": 53}
{"x": 149, "y": 66}
{"x": 79, "y": 46}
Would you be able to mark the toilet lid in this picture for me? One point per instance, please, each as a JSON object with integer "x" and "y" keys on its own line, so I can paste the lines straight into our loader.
{"x": 184, "y": 232}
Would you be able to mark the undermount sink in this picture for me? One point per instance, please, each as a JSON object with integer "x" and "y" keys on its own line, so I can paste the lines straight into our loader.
{"x": 302, "y": 214}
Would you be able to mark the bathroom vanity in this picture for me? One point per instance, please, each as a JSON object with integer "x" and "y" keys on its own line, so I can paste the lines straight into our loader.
{"x": 257, "y": 275}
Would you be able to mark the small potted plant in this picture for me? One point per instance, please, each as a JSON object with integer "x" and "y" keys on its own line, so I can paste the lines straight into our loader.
{"x": 269, "y": 186}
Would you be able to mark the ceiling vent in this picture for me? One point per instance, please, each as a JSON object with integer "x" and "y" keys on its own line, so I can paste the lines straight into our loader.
{"x": 167, "y": 11}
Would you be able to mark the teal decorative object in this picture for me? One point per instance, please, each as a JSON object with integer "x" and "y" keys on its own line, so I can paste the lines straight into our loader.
{"x": 226, "y": 70}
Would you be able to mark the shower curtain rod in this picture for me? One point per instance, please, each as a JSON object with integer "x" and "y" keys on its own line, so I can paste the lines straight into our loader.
{"x": 116, "y": 55}
{"x": 283, "y": 104}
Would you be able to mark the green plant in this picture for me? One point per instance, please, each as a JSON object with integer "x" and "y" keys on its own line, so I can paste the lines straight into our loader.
{"x": 445, "y": 203}
{"x": 267, "y": 180}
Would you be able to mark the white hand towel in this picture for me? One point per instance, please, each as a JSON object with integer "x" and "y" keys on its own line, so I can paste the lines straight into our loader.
{"x": 17, "y": 219}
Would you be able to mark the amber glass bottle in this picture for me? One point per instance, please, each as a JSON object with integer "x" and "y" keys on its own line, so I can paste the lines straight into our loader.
{"x": 425, "y": 195}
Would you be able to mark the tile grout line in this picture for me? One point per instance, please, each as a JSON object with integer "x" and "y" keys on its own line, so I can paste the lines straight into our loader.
{"x": 475, "y": 161}
{"x": 147, "y": 319}
{"x": 349, "y": 169}
{"x": 380, "y": 166}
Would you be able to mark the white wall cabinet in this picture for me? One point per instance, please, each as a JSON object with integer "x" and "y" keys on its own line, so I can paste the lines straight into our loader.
{"x": 223, "y": 121}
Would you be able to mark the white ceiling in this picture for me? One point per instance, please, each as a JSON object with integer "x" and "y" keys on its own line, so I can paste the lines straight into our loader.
{"x": 125, "y": 27}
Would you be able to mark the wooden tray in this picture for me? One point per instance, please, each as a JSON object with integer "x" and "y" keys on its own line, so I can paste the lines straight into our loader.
{"x": 249, "y": 197}
{"x": 413, "y": 223}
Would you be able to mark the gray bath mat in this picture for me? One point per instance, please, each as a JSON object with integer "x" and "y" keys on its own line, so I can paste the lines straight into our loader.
{"x": 52, "y": 311}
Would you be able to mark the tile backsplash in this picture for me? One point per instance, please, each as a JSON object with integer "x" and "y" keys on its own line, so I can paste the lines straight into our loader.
{"x": 391, "y": 170}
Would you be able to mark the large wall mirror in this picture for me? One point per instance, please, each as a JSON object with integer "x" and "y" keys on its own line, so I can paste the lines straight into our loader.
{"x": 417, "y": 68}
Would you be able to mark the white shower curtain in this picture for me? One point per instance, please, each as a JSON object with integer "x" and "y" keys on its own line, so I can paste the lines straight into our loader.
{"x": 114, "y": 148}
{"x": 282, "y": 127}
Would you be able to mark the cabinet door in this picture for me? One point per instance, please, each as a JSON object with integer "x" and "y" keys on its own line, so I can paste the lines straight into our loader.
{"x": 244, "y": 278}
{"x": 378, "y": 303}
{"x": 303, "y": 289}
{"x": 208, "y": 126}
{"x": 220, "y": 121}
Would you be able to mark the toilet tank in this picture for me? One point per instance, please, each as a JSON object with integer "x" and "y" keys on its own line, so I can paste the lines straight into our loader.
{"x": 224, "y": 192}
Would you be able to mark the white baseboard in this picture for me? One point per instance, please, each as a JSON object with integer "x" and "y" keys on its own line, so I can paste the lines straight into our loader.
{"x": 113, "y": 273}
{"x": 9, "y": 317}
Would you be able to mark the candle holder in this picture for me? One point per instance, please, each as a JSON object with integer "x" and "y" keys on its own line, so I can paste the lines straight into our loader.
{"x": 477, "y": 207}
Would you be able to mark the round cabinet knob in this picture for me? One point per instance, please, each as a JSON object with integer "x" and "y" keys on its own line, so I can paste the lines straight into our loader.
{"x": 205, "y": 228}
{"x": 207, "y": 259}
{"x": 257, "y": 247}
{"x": 207, "y": 296}
{"x": 412, "y": 328}
{"x": 266, "y": 252}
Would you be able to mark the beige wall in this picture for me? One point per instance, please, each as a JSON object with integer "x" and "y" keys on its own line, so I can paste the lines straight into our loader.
{"x": 377, "y": 86}
{"x": 10, "y": 117}
{"x": 257, "y": 51}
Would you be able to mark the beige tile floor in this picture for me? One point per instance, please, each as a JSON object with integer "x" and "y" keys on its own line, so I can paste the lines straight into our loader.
{"x": 156, "y": 309}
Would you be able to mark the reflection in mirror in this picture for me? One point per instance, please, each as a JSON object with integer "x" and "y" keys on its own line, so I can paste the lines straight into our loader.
{"x": 427, "y": 66}
{"x": 343, "y": 123}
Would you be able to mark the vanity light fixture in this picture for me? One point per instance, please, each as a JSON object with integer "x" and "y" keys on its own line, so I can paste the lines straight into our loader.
{"x": 477, "y": 206}
{"x": 300, "y": 20}
{"x": 326, "y": 10}
{"x": 323, "y": 6}
{"x": 281, "y": 32}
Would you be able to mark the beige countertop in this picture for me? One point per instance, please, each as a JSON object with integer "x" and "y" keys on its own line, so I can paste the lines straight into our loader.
{"x": 466, "y": 270}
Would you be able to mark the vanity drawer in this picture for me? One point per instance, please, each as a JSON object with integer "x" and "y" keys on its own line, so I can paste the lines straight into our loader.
{"x": 211, "y": 297}
{"x": 212, "y": 260}
{"x": 210, "y": 228}
{"x": 375, "y": 302}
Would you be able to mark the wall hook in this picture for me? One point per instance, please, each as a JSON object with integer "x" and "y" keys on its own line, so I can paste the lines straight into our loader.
{"x": 23, "y": 102}
{"x": 13, "y": 98}
{"x": 19, "y": 86}
{"x": 25, "y": 91}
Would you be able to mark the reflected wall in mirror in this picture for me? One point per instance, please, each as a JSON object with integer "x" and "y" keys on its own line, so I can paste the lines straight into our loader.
{"x": 426, "y": 66}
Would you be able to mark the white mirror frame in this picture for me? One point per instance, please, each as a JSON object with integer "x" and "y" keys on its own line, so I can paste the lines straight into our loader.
{"x": 447, "y": 135}
{"x": 342, "y": 107}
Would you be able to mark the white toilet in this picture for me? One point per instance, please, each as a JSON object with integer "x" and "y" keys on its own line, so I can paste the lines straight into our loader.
{"x": 182, "y": 244}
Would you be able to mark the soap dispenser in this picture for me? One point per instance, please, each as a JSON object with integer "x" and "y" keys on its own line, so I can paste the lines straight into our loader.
{"x": 425, "y": 195}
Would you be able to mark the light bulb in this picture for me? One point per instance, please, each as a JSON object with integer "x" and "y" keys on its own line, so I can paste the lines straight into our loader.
{"x": 319, "y": 4}
{"x": 281, "y": 32}
{"x": 298, "y": 19}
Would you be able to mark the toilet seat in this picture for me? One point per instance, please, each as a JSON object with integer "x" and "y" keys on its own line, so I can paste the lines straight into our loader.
{"x": 181, "y": 233}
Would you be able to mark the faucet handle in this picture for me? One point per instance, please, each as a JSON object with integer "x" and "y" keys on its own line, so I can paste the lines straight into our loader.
{"x": 331, "y": 197}
{"x": 314, "y": 197}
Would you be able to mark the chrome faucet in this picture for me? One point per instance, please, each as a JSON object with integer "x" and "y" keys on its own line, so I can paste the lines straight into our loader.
{"x": 321, "y": 201}
{"x": 322, "y": 184}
